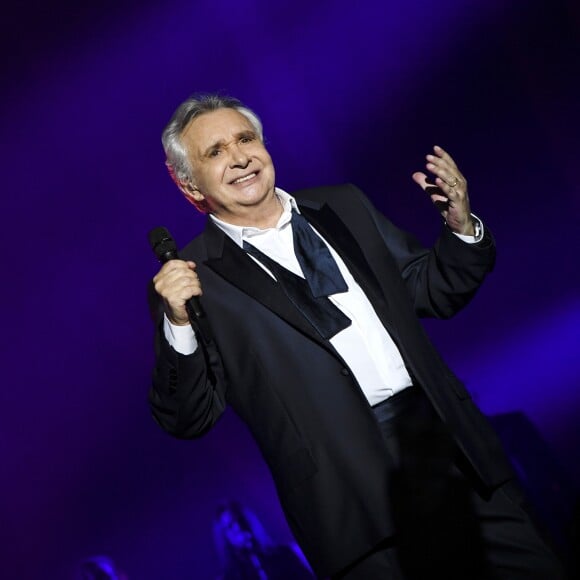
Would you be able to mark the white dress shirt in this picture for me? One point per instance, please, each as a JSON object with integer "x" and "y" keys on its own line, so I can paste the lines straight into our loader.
{"x": 365, "y": 345}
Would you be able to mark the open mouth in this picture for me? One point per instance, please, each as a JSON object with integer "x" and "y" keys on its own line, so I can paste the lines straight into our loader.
{"x": 244, "y": 178}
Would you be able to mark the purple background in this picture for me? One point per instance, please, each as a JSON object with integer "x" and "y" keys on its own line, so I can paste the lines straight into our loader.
{"x": 347, "y": 91}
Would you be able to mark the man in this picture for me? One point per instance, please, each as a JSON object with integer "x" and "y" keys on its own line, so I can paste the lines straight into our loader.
{"x": 311, "y": 333}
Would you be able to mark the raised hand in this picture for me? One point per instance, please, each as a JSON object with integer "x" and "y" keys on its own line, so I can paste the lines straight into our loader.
{"x": 449, "y": 193}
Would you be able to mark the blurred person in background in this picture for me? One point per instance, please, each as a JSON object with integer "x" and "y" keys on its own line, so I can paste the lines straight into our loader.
{"x": 247, "y": 552}
{"x": 99, "y": 568}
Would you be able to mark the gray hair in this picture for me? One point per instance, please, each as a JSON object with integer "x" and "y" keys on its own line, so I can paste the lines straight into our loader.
{"x": 177, "y": 160}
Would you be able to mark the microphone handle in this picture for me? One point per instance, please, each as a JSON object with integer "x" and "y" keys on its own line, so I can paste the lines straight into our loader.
{"x": 194, "y": 309}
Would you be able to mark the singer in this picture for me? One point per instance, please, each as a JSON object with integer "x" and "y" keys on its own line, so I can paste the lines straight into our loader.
{"x": 384, "y": 466}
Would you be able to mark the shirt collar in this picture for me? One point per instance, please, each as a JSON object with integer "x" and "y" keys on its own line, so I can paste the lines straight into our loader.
{"x": 239, "y": 233}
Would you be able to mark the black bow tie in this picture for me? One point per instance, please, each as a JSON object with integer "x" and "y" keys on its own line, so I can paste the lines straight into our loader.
{"x": 318, "y": 265}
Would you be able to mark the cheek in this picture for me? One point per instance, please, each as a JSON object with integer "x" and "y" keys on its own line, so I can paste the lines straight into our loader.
{"x": 209, "y": 178}
{"x": 266, "y": 157}
{"x": 266, "y": 161}
{"x": 270, "y": 170}
{"x": 219, "y": 173}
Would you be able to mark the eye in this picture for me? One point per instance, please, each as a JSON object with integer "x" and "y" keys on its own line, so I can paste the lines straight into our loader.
{"x": 247, "y": 139}
{"x": 214, "y": 153}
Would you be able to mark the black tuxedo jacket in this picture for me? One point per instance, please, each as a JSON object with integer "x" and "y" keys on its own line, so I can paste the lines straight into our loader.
{"x": 305, "y": 410}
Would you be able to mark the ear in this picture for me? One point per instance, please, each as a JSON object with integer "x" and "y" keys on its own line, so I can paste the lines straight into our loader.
{"x": 194, "y": 196}
{"x": 191, "y": 192}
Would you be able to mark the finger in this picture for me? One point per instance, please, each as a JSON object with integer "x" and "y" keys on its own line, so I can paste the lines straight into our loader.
{"x": 437, "y": 195}
{"x": 185, "y": 289}
{"x": 166, "y": 279}
{"x": 424, "y": 181}
{"x": 443, "y": 160}
{"x": 421, "y": 179}
{"x": 174, "y": 282}
{"x": 439, "y": 199}
{"x": 451, "y": 177}
{"x": 172, "y": 266}
{"x": 180, "y": 292}
{"x": 442, "y": 172}
{"x": 443, "y": 155}
{"x": 177, "y": 265}
{"x": 449, "y": 191}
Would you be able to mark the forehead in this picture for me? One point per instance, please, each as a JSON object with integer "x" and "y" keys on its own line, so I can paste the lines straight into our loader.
{"x": 210, "y": 128}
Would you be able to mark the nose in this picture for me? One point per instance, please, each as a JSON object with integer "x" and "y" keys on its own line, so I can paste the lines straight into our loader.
{"x": 238, "y": 157}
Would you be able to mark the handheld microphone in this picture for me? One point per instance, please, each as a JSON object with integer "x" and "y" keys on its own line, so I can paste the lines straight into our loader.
{"x": 165, "y": 249}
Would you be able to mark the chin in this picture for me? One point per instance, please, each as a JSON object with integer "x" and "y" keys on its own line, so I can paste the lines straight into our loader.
{"x": 257, "y": 193}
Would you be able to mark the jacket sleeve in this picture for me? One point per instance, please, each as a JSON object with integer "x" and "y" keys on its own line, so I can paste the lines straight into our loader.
{"x": 443, "y": 279}
{"x": 187, "y": 396}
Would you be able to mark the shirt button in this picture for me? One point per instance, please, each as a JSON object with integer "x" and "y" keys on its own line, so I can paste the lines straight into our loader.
{"x": 345, "y": 372}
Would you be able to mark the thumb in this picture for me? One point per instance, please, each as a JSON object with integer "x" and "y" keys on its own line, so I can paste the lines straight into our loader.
{"x": 438, "y": 197}
{"x": 421, "y": 179}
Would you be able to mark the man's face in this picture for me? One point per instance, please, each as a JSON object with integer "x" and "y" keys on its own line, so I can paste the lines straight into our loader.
{"x": 232, "y": 170}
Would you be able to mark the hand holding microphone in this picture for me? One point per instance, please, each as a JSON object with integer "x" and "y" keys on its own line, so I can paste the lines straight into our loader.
{"x": 176, "y": 282}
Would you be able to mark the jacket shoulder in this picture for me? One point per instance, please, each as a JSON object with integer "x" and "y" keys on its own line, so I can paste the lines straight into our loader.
{"x": 328, "y": 192}
{"x": 195, "y": 249}
{"x": 346, "y": 199}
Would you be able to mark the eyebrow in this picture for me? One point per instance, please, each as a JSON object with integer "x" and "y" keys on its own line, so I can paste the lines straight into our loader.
{"x": 221, "y": 142}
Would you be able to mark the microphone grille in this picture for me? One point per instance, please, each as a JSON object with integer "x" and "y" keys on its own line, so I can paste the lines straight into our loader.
{"x": 161, "y": 242}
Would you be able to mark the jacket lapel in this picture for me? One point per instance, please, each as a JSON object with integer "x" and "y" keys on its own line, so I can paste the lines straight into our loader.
{"x": 335, "y": 231}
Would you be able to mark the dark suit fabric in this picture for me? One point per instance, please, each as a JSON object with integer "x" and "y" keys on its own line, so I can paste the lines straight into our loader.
{"x": 305, "y": 410}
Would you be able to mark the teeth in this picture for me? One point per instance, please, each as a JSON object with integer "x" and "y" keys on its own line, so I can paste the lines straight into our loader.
{"x": 242, "y": 179}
